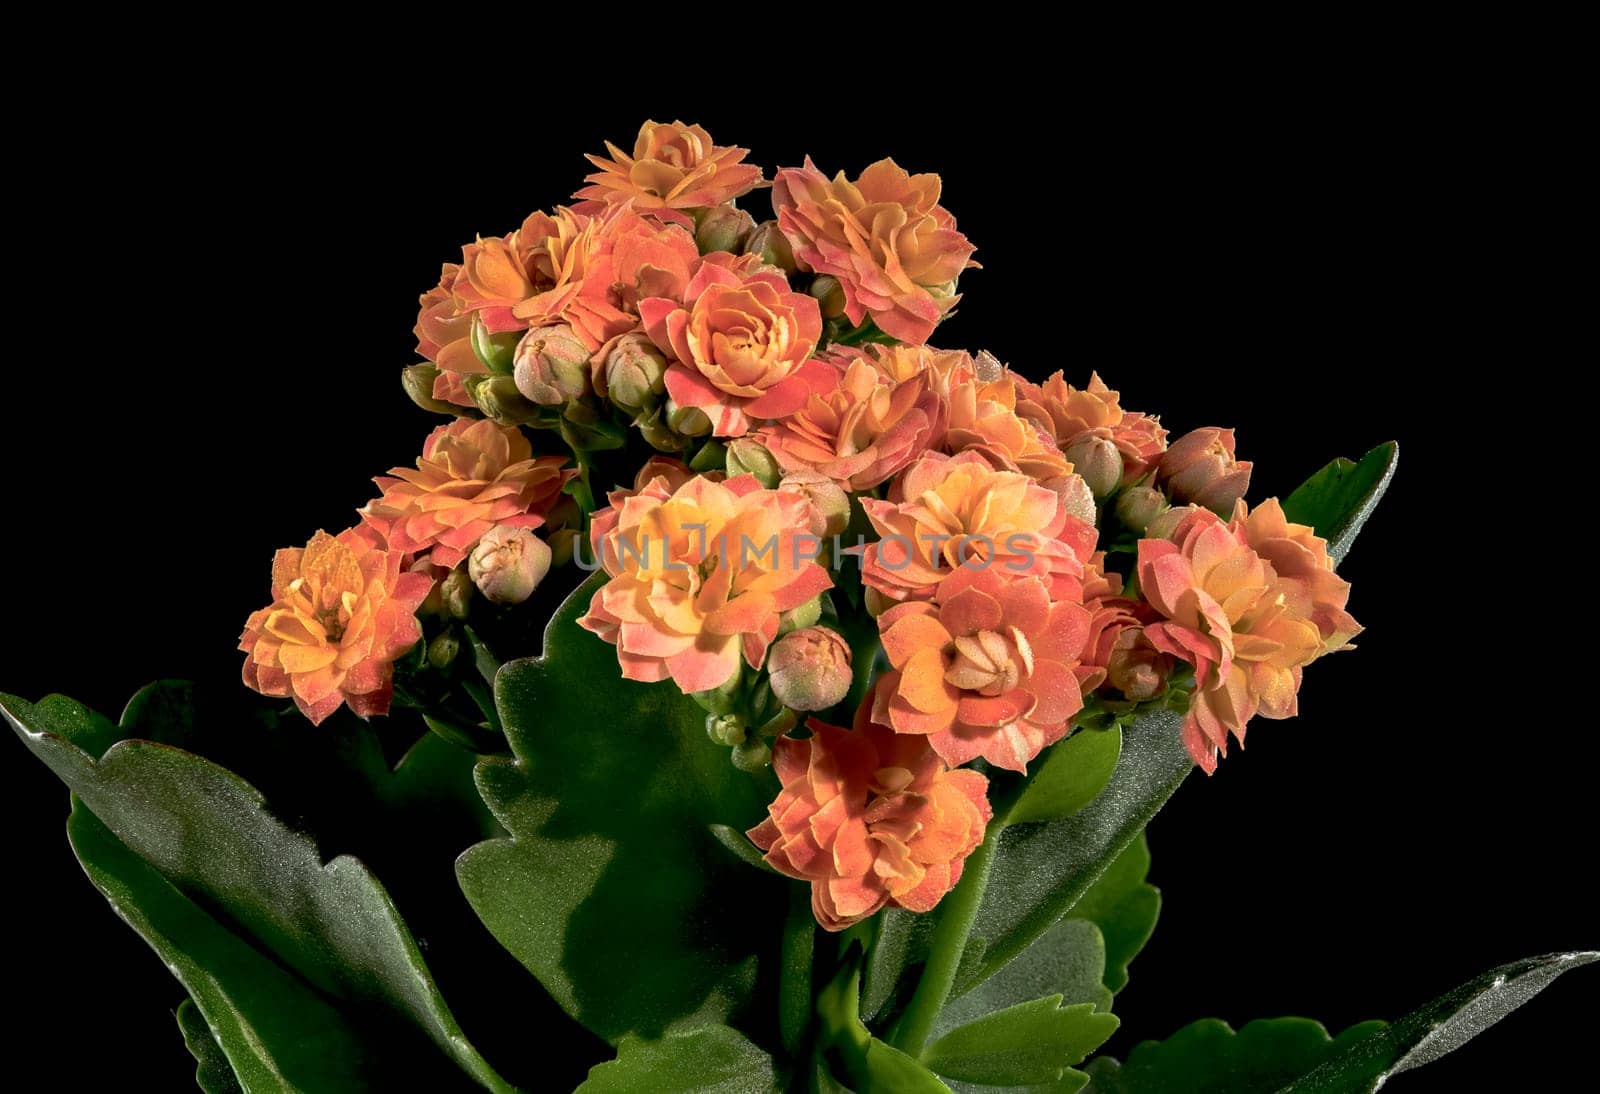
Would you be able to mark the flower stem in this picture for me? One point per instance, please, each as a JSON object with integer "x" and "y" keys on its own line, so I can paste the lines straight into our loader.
{"x": 956, "y": 916}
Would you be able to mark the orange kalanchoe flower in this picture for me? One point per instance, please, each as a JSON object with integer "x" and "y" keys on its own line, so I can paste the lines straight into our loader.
{"x": 341, "y": 613}
{"x": 699, "y": 575}
{"x": 984, "y": 419}
{"x": 474, "y": 475}
{"x": 742, "y": 343}
{"x": 990, "y": 667}
{"x": 871, "y": 818}
{"x": 1069, "y": 414}
{"x": 1200, "y": 468}
{"x": 1300, "y": 559}
{"x": 946, "y": 512}
{"x": 864, "y": 430}
{"x": 894, "y": 249}
{"x": 1247, "y": 632}
{"x": 672, "y": 167}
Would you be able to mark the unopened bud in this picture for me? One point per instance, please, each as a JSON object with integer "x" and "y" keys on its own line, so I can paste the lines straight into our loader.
{"x": 830, "y": 294}
{"x": 496, "y": 351}
{"x": 687, "y": 421}
{"x": 772, "y": 246}
{"x": 1139, "y": 505}
{"x": 508, "y": 564}
{"x": 1200, "y": 468}
{"x": 433, "y": 603}
{"x": 800, "y": 616}
{"x": 810, "y": 668}
{"x": 1076, "y": 497}
{"x": 1136, "y": 668}
{"x": 1166, "y": 524}
{"x": 725, "y": 729}
{"x": 1097, "y": 460}
{"x": 498, "y": 398}
{"x": 635, "y": 373}
{"x": 552, "y": 366}
{"x": 722, "y": 228}
{"x": 876, "y": 602}
{"x": 653, "y": 427}
{"x": 751, "y": 756}
{"x": 418, "y": 382}
{"x": 443, "y": 649}
{"x": 827, "y": 497}
{"x": 748, "y": 456}
{"x": 563, "y": 541}
{"x": 455, "y": 592}
{"x": 988, "y": 367}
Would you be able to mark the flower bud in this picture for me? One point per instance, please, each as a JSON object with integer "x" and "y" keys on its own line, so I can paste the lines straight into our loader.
{"x": 800, "y": 616}
{"x": 725, "y": 729}
{"x": 772, "y": 246}
{"x": 1166, "y": 523}
{"x": 1139, "y": 505}
{"x": 498, "y": 398}
{"x": 495, "y": 351}
{"x": 988, "y": 367}
{"x": 1136, "y": 668}
{"x": 508, "y": 564}
{"x": 1200, "y": 468}
{"x": 455, "y": 592}
{"x": 443, "y": 649}
{"x": 826, "y": 496}
{"x": 830, "y": 294}
{"x": 686, "y": 421}
{"x": 876, "y": 602}
{"x": 563, "y": 541}
{"x": 635, "y": 373}
{"x": 433, "y": 604}
{"x": 722, "y": 228}
{"x": 1076, "y": 498}
{"x": 1099, "y": 463}
{"x": 753, "y": 755}
{"x": 723, "y": 699}
{"x": 810, "y": 668}
{"x": 552, "y": 366}
{"x": 653, "y": 427}
{"x": 748, "y": 456}
{"x": 418, "y": 382}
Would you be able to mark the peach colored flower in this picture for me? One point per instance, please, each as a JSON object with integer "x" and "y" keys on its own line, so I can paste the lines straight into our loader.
{"x": 984, "y": 419}
{"x": 700, "y": 574}
{"x": 1228, "y": 614}
{"x": 865, "y": 429}
{"x": 946, "y": 512}
{"x": 1300, "y": 559}
{"x": 742, "y": 343}
{"x": 1199, "y": 468}
{"x": 990, "y": 667}
{"x": 870, "y": 818}
{"x": 945, "y": 367}
{"x": 342, "y": 611}
{"x": 893, "y": 248}
{"x": 1068, "y": 414}
{"x": 672, "y": 167}
{"x": 474, "y": 475}
{"x": 671, "y": 473}
{"x": 444, "y": 336}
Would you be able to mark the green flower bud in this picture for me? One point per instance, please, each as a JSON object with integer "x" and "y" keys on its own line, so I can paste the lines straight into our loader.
{"x": 498, "y": 398}
{"x": 1098, "y": 461}
{"x": 455, "y": 593}
{"x": 752, "y": 756}
{"x": 800, "y": 617}
{"x": 748, "y": 456}
{"x": 725, "y": 729}
{"x": 635, "y": 373}
{"x": 722, "y": 228}
{"x": 830, "y": 294}
{"x": 711, "y": 457}
{"x": 687, "y": 421}
{"x": 418, "y": 382}
{"x": 494, "y": 350}
{"x": 654, "y": 429}
{"x": 1139, "y": 505}
{"x": 563, "y": 542}
{"x": 443, "y": 649}
{"x": 773, "y": 247}
{"x": 552, "y": 366}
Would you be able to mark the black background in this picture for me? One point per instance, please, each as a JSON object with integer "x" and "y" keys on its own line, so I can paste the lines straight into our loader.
{"x": 213, "y": 341}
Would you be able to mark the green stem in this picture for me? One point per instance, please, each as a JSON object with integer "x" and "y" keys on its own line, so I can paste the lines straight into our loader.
{"x": 485, "y": 702}
{"x": 794, "y": 971}
{"x": 956, "y": 916}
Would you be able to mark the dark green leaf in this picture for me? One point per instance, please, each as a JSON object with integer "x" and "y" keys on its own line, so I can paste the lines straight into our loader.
{"x": 612, "y": 890}
{"x": 1125, "y": 907}
{"x": 212, "y": 1072}
{"x": 710, "y": 1059}
{"x": 209, "y": 834}
{"x": 890, "y": 1071}
{"x": 1070, "y": 776}
{"x": 1068, "y": 960}
{"x": 1029, "y": 1043}
{"x": 1208, "y": 1057}
{"x": 1337, "y": 500}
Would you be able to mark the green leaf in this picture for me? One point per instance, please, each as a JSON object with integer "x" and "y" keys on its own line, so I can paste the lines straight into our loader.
{"x": 209, "y": 834}
{"x": 1070, "y": 776}
{"x": 1337, "y": 500}
{"x": 1208, "y": 1057}
{"x": 276, "y": 1033}
{"x": 1029, "y": 1043}
{"x": 712, "y": 1059}
{"x": 612, "y": 889}
{"x": 1125, "y": 908}
{"x": 890, "y": 1071}
{"x": 212, "y": 1073}
{"x": 1068, "y": 960}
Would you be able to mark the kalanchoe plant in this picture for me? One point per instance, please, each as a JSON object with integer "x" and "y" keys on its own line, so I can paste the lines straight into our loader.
{"x": 787, "y": 696}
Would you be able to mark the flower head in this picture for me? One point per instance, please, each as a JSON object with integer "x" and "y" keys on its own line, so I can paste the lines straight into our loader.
{"x": 1200, "y": 469}
{"x": 990, "y": 667}
{"x": 474, "y": 475}
{"x": 870, "y": 818}
{"x": 508, "y": 564}
{"x": 984, "y": 419}
{"x": 742, "y": 343}
{"x": 949, "y": 512}
{"x": 342, "y": 611}
{"x": 1070, "y": 414}
{"x": 699, "y": 575}
{"x": 893, "y": 248}
{"x": 673, "y": 166}
{"x": 1299, "y": 557}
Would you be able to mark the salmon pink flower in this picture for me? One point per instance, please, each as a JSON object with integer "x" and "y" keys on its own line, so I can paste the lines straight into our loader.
{"x": 1200, "y": 469}
{"x": 871, "y": 819}
{"x": 893, "y": 248}
{"x": 1071, "y": 414}
{"x": 990, "y": 667}
{"x": 742, "y": 343}
{"x": 672, "y": 167}
{"x": 984, "y": 419}
{"x": 1300, "y": 559}
{"x": 700, "y": 575}
{"x": 342, "y": 611}
{"x": 949, "y": 512}
{"x": 474, "y": 475}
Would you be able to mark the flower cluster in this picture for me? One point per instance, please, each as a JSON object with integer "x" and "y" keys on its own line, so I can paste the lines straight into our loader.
{"x": 1012, "y": 560}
